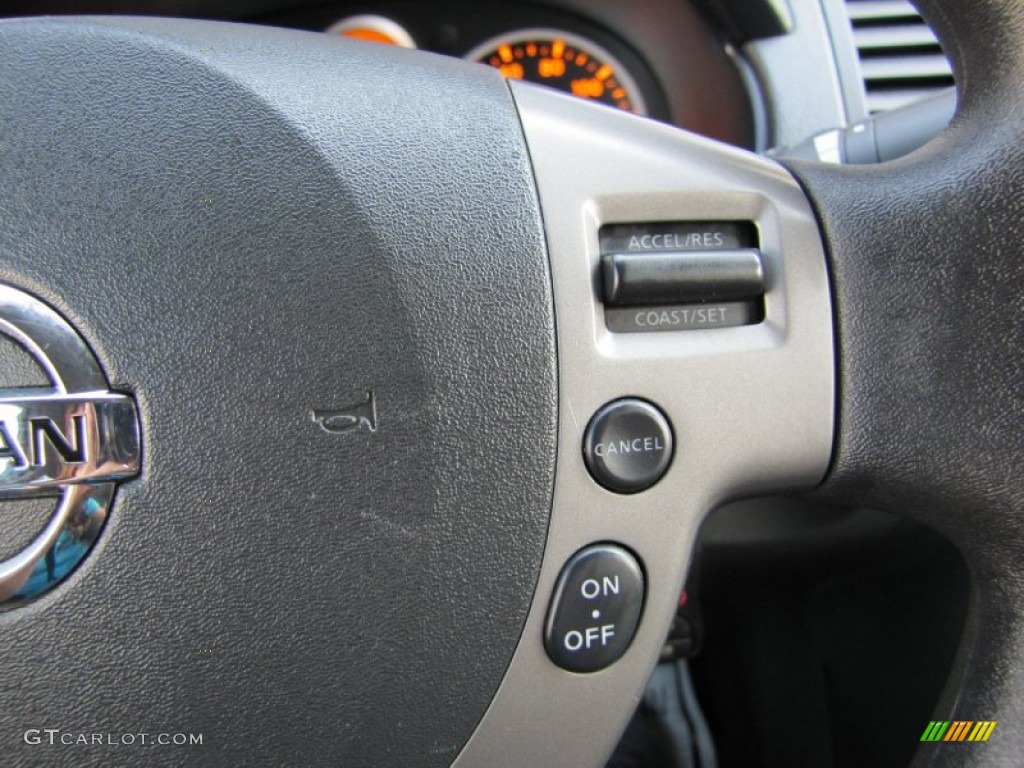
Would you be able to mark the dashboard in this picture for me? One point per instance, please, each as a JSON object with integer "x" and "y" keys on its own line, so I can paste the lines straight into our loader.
{"x": 665, "y": 59}
{"x": 757, "y": 74}
{"x": 690, "y": 78}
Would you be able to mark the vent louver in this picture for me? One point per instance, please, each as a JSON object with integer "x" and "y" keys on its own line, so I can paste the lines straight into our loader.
{"x": 900, "y": 59}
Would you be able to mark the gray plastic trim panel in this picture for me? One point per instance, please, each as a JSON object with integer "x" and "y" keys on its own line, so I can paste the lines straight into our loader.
{"x": 752, "y": 407}
{"x": 799, "y": 106}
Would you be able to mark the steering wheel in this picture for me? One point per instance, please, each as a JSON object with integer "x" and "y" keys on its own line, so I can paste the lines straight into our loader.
{"x": 356, "y": 296}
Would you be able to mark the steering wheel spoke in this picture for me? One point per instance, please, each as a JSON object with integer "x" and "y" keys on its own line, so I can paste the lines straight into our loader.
{"x": 750, "y": 406}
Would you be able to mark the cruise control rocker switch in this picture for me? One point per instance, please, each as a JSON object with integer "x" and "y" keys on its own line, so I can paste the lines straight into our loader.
{"x": 595, "y": 608}
{"x": 681, "y": 276}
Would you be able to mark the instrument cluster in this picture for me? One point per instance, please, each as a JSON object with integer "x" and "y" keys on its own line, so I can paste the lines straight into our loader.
{"x": 686, "y": 75}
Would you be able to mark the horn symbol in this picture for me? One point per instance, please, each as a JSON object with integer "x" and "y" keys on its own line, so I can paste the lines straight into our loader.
{"x": 354, "y": 417}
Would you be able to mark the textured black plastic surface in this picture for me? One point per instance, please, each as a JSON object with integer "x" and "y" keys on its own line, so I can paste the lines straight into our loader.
{"x": 248, "y": 224}
{"x": 927, "y": 256}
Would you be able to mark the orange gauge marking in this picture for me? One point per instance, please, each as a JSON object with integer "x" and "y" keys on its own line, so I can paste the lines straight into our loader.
{"x": 588, "y": 88}
{"x": 372, "y": 35}
{"x": 562, "y": 61}
{"x": 513, "y": 71}
{"x": 551, "y": 67}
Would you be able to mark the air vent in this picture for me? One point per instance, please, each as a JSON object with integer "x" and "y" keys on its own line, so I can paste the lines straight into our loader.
{"x": 900, "y": 59}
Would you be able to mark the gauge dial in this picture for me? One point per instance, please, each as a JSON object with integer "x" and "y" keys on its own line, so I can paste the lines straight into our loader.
{"x": 375, "y": 29}
{"x": 564, "y": 61}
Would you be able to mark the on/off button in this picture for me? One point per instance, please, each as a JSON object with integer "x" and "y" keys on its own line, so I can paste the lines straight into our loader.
{"x": 628, "y": 445}
{"x": 595, "y": 608}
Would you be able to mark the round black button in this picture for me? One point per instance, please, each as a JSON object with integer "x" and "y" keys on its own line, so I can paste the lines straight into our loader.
{"x": 628, "y": 445}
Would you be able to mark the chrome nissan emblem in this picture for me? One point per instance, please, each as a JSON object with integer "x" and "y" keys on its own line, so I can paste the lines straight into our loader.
{"x": 74, "y": 442}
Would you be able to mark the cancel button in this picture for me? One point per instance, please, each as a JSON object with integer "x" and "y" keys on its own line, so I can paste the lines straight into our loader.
{"x": 628, "y": 445}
